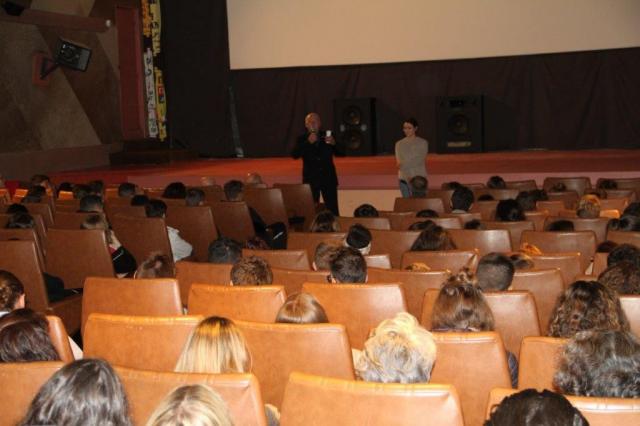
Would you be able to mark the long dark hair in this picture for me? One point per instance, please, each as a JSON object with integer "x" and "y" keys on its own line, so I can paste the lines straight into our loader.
{"x": 24, "y": 337}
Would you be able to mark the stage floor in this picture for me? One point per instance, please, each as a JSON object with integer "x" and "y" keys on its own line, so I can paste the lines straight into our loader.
{"x": 380, "y": 172}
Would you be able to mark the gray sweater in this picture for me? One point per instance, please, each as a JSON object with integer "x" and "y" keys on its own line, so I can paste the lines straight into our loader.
{"x": 410, "y": 157}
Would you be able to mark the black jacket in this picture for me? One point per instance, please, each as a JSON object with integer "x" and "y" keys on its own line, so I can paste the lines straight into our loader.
{"x": 317, "y": 160}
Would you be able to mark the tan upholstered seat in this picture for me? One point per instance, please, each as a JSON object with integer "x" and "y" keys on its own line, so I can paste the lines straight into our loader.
{"x": 597, "y": 411}
{"x": 147, "y": 343}
{"x": 497, "y": 194}
{"x": 569, "y": 199}
{"x": 21, "y": 259}
{"x": 269, "y": 203}
{"x": 414, "y": 284}
{"x": 41, "y": 230}
{"x": 188, "y": 273}
{"x": 474, "y": 363}
{"x": 292, "y": 280}
{"x": 250, "y": 303}
{"x": 298, "y": 201}
{"x": 522, "y": 185}
{"x": 537, "y": 217}
{"x": 290, "y": 259}
{"x": 487, "y": 209}
{"x": 611, "y": 203}
{"x": 465, "y": 217}
{"x": 24, "y": 235}
{"x": 597, "y": 225}
{"x": 397, "y": 219}
{"x": 146, "y": 389}
{"x": 124, "y": 296}
{"x": 60, "y": 338}
{"x": 381, "y": 223}
{"x": 416, "y": 204}
{"x": 546, "y": 286}
{"x": 44, "y": 210}
{"x": 568, "y": 263}
{"x": 393, "y": 243}
{"x": 323, "y": 401}
{"x": 123, "y": 208}
{"x": 599, "y": 263}
{"x": 310, "y": 240}
{"x": 486, "y": 241}
{"x": 70, "y": 220}
{"x": 142, "y": 236}
{"x": 382, "y": 261}
{"x": 539, "y": 358}
{"x": 19, "y": 384}
{"x": 359, "y": 307}
{"x": 583, "y": 242}
{"x": 196, "y": 226}
{"x": 212, "y": 192}
{"x": 450, "y": 222}
{"x": 233, "y": 220}
{"x": 279, "y": 349}
{"x": 550, "y": 206}
{"x": 622, "y": 237}
{"x": 631, "y": 306}
{"x": 453, "y": 260}
{"x": 615, "y": 194}
{"x": 578, "y": 184}
{"x": 515, "y": 229}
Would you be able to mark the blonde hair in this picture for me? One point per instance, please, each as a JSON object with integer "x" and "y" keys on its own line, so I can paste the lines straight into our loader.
{"x": 215, "y": 346}
{"x": 301, "y": 308}
{"x": 399, "y": 350}
{"x": 588, "y": 207}
{"x": 195, "y": 405}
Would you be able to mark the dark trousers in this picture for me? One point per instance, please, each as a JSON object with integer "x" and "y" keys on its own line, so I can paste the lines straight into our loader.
{"x": 329, "y": 195}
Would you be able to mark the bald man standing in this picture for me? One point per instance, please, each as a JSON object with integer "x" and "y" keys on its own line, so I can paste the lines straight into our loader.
{"x": 317, "y": 148}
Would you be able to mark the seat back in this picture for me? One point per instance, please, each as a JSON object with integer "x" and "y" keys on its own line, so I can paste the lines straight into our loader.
{"x": 631, "y": 306}
{"x": 474, "y": 363}
{"x": 146, "y": 389}
{"x": 452, "y": 260}
{"x": 538, "y": 218}
{"x": 486, "y": 241}
{"x": 497, "y": 194}
{"x": 277, "y": 350}
{"x": 597, "y": 225}
{"x": 359, "y": 307}
{"x": 515, "y": 229}
{"x": 44, "y": 210}
{"x": 19, "y": 384}
{"x": 41, "y": 230}
{"x": 290, "y": 259}
{"x": 70, "y": 220}
{"x": 569, "y": 199}
{"x": 550, "y": 206}
{"x": 381, "y": 223}
{"x": 466, "y": 217}
{"x": 402, "y": 204}
{"x": 545, "y": 285}
{"x": 599, "y": 263}
{"x": 611, "y": 203}
{"x": 622, "y": 237}
{"x": 298, "y": 201}
{"x": 196, "y": 226}
{"x": 123, "y": 208}
{"x": 450, "y": 222}
{"x": 487, "y": 209}
{"x": 443, "y": 194}
{"x": 323, "y": 401}
{"x": 397, "y": 219}
{"x": 539, "y": 358}
{"x": 142, "y": 236}
{"x": 615, "y": 194}
{"x": 381, "y": 261}
{"x": 60, "y": 338}
{"x": 309, "y": 240}
{"x": 292, "y": 279}
{"x": 188, "y": 273}
{"x": 414, "y": 284}
{"x": 393, "y": 243}
{"x": 522, "y": 185}
{"x": 125, "y": 296}
{"x": 568, "y": 263}
{"x": 24, "y": 235}
{"x": 147, "y": 343}
{"x": 583, "y": 242}
{"x": 75, "y": 254}
{"x": 212, "y": 192}
{"x": 269, "y": 203}
{"x": 233, "y": 220}
{"x": 259, "y": 303}
{"x": 578, "y": 184}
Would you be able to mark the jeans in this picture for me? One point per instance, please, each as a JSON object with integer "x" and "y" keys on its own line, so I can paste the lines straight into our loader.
{"x": 404, "y": 188}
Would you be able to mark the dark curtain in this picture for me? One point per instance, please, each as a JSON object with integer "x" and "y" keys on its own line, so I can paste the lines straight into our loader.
{"x": 581, "y": 100}
{"x": 196, "y": 48}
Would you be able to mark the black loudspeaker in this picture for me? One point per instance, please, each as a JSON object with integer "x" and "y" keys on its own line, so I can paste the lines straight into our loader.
{"x": 73, "y": 55}
{"x": 355, "y": 125}
{"x": 460, "y": 124}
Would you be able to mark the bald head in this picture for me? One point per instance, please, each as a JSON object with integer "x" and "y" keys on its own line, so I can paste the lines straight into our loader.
{"x": 312, "y": 122}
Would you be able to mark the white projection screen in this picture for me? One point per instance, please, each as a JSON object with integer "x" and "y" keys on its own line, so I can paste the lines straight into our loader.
{"x": 290, "y": 33}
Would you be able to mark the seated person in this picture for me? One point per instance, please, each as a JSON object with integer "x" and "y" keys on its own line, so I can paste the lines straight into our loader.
{"x": 461, "y": 307}
{"x": 16, "y": 208}
{"x": 80, "y": 191}
{"x": 275, "y": 234}
{"x": 348, "y": 266}
{"x": 175, "y": 190}
{"x": 531, "y": 407}
{"x": 195, "y": 197}
{"x": 422, "y": 225}
{"x": 127, "y": 189}
{"x": 495, "y": 272}
{"x": 418, "y": 186}
{"x": 365, "y": 210}
{"x": 43, "y": 181}
{"x": 461, "y": 200}
{"x": 24, "y": 337}
{"x": 325, "y": 252}
{"x": 434, "y": 238}
{"x": 561, "y": 225}
{"x": 398, "y": 350}
{"x": 602, "y": 364}
{"x": 224, "y": 250}
{"x": 157, "y": 265}
{"x": 496, "y": 182}
{"x": 633, "y": 209}
{"x": 191, "y": 405}
{"x": 96, "y": 187}
{"x": 11, "y": 293}
{"x": 324, "y": 221}
{"x": 588, "y": 207}
{"x": 486, "y": 197}
{"x": 607, "y": 184}
{"x": 179, "y": 247}
{"x": 124, "y": 264}
{"x": 606, "y": 246}
{"x": 509, "y": 211}
{"x": 427, "y": 213}
{"x": 626, "y": 223}
{"x": 359, "y": 238}
{"x": 623, "y": 278}
{"x": 252, "y": 270}
{"x": 139, "y": 200}
{"x": 475, "y": 224}
{"x": 527, "y": 200}
{"x": 254, "y": 179}
{"x": 622, "y": 253}
{"x": 301, "y": 308}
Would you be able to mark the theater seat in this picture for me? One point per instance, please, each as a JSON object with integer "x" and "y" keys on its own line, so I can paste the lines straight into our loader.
{"x": 597, "y": 225}
{"x": 277, "y": 350}
{"x": 292, "y": 280}
{"x": 142, "y": 236}
{"x": 515, "y": 229}
{"x": 196, "y": 226}
{"x": 631, "y": 306}
{"x": 290, "y": 259}
{"x": 60, "y": 338}
{"x": 539, "y": 356}
{"x": 398, "y": 219}
{"x": 381, "y": 223}
{"x": 568, "y": 263}
{"x": 309, "y": 240}
{"x": 487, "y": 209}
{"x": 393, "y": 243}
{"x": 449, "y": 222}
{"x": 298, "y": 201}
{"x": 269, "y": 203}
{"x": 188, "y": 273}
{"x": 233, "y": 220}
{"x": 579, "y": 184}
{"x": 485, "y": 241}
{"x": 323, "y": 401}
{"x": 453, "y": 260}
{"x": 583, "y": 242}
{"x": 402, "y": 204}
{"x": 622, "y": 237}
{"x": 146, "y": 389}
{"x": 546, "y": 286}
{"x": 381, "y": 261}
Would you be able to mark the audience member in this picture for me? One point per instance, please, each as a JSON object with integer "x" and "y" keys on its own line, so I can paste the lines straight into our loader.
{"x": 324, "y": 254}
{"x": 588, "y": 207}
{"x": 96, "y": 187}
{"x": 526, "y": 200}
{"x": 195, "y": 197}
{"x": 127, "y": 189}
{"x": 254, "y": 179}
{"x": 301, "y": 308}
{"x": 224, "y": 250}
{"x": 65, "y": 187}
{"x": 531, "y": 407}
{"x": 486, "y": 197}
{"x": 11, "y": 293}
{"x": 450, "y": 185}
{"x": 427, "y": 213}
{"x": 256, "y": 243}
{"x": 558, "y": 187}
{"x": 16, "y": 208}
{"x": 623, "y": 278}
{"x": 398, "y": 350}
{"x": 252, "y": 270}
{"x": 24, "y": 337}
{"x": 191, "y": 405}
{"x": 475, "y": 224}
{"x": 365, "y": 210}
{"x": 139, "y": 200}
{"x": 627, "y": 223}
{"x": 179, "y": 247}
{"x": 496, "y": 182}
{"x": 348, "y": 266}
{"x": 434, "y": 238}
{"x": 43, "y": 181}
{"x": 561, "y": 225}
{"x": 85, "y": 392}
{"x": 157, "y": 265}
{"x": 461, "y": 200}
{"x": 600, "y": 364}
{"x": 80, "y": 191}
{"x": 587, "y": 305}
{"x": 418, "y": 186}
{"x": 124, "y": 263}
{"x": 175, "y": 190}
{"x": 324, "y": 221}
{"x": 495, "y": 272}
{"x": 607, "y": 184}
{"x": 509, "y": 211}
{"x": 624, "y": 252}
{"x": 359, "y": 238}
{"x": 606, "y": 246}
{"x": 21, "y": 221}
{"x": 633, "y": 209}
{"x": 422, "y": 225}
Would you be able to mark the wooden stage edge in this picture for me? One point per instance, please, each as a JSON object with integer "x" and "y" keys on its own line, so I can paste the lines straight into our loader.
{"x": 380, "y": 172}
